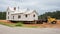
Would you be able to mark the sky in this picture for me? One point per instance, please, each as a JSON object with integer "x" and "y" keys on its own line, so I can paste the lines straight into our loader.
{"x": 41, "y": 6}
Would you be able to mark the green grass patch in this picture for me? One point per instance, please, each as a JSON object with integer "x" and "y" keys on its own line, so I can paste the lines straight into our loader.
{"x": 19, "y": 24}
{"x": 7, "y": 24}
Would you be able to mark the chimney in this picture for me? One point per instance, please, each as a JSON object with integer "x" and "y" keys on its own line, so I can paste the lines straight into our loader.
{"x": 14, "y": 8}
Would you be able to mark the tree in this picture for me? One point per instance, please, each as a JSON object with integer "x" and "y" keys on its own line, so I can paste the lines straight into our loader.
{"x": 2, "y": 15}
{"x": 55, "y": 14}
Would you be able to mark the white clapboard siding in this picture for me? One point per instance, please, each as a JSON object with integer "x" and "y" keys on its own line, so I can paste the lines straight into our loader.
{"x": 22, "y": 13}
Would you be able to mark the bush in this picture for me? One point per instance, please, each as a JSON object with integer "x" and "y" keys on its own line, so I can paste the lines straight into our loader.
{"x": 19, "y": 24}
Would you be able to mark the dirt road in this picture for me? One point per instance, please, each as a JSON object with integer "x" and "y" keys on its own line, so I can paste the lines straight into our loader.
{"x": 20, "y": 30}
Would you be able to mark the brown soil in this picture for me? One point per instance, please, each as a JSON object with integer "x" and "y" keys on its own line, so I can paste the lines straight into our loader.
{"x": 45, "y": 25}
{"x": 6, "y": 21}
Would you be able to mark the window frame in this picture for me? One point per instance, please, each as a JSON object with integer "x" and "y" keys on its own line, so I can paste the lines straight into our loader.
{"x": 8, "y": 13}
{"x": 19, "y": 16}
{"x": 26, "y": 15}
{"x": 34, "y": 15}
{"x": 13, "y": 17}
{"x": 8, "y": 17}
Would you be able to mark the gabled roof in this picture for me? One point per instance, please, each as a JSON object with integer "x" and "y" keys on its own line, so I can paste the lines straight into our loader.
{"x": 24, "y": 11}
{"x": 10, "y": 8}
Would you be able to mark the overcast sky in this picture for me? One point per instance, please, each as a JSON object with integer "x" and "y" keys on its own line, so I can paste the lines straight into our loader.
{"x": 41, "y": 6}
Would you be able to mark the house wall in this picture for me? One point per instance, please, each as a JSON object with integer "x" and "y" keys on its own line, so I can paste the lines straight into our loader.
{"x": 9, "y": 15}
{"x": 23, "y": 18}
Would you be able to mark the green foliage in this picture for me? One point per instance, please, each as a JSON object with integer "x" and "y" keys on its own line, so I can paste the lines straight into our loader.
{"x": 55, "y": 14}
{"x": 19, "y": 24}
{"x": 2, "y": 15}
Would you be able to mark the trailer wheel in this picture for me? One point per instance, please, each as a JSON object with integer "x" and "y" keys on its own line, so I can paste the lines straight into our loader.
{"x": 54, "y": 22}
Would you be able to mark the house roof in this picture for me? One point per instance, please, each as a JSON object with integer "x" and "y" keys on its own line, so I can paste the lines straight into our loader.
{"x": 24, "y": 11}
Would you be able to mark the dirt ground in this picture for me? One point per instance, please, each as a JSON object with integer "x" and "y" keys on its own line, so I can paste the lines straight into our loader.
{"x": 5, "y": 21}
{"x": 44, "y": 25}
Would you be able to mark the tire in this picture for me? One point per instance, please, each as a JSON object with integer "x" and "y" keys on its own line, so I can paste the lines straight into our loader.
{"x": 54, "y": 22}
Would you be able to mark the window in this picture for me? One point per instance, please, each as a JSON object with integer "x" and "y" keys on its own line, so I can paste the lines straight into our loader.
{"x": 25, "y": 15}
{"x": 13, "y": 17}
{"x": 14, "y": 8}
{"x": 19, "y": 16}
{"x": 33, "y": 15}
{"x": 8, "y": 17}
{"x": 8, "y": 13}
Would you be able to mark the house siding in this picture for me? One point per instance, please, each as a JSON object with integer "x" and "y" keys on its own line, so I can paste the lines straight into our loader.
{"x": 23, "y": 17}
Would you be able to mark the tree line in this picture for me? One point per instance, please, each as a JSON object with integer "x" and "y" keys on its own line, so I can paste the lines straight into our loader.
{"x": 54, "y": 14}
{"x": 2, "y": 15}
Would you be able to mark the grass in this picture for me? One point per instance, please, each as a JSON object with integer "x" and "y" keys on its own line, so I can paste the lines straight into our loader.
{"x": 7, "y": 24}
{"x": 12, "y": 25}
{"x": 18, "y": 24}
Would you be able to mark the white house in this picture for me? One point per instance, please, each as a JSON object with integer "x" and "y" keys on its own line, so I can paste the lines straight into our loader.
{"x": 16, "y": 14}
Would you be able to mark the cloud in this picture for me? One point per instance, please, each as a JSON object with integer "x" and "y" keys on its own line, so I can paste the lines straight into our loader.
{"x": 41, "y": 6}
